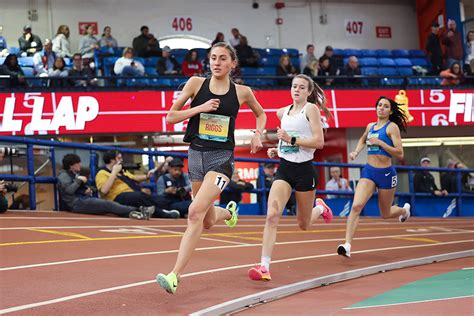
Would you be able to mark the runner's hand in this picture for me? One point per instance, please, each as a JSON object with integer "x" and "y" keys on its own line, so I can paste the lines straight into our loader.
{"x": 283, "y": 135}
{"x": 272, "y": 152}
{"x": 210, "y": 106}
{"x": 353, "y": 155}
{"x": 255, "y": 143}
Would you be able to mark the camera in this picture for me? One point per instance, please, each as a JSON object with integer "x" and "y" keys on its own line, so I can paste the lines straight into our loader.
{"x": 10, "y": 187}
{"x": 9, "y": 151}
{"x": 181, "y": 192}
{"x": 131, "y": 166}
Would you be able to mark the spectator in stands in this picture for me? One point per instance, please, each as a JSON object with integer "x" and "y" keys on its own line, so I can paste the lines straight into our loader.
{"x": 116, "y": 184}
{"x": 235, "y": 39}
{"x": 174, "y": 187}
{"x": 162, "y": 167}
{"x": 236, "y": 186}
{"x": 286, "y": 69}
{"x": 191, "y": 65}
{"x": 245, "y": 54}
{"x": 61, "y": 44}
{"x": 219, "y": 38}
{"x": 469, "y": 49}
{"x": 43, "y": 62}
{"x": 167, "y": 64}
{"x": 127, "y": 66}
{"x": 77, "y": 196}
{"x": 311, "y": 69}
{"x": 329, "y": 53}
{"x": 325, "y": 70}
{"x": 59, "y": 71}
{"x": 79, "y": 71}
{"x": 3, "y": 45}
{"x": 448, "y": 179}
{"x": 269, "y": 174}
{"x": 3, "y": 199}
{"x": 146, "y": 45}
{"x": 29, "y": 43}
{"x": 337, "y": 183}
{"x": 308, "y": 57}
{"x": 424, "y": 180}
{"x": 351, "y": 70}
{"x": 452, "y": 76}
{"x": 107, "y": 40}
{"x": 453, "y": 44}
{"x": 469, "y": 74}
{"x": 433, "y": 47}
{"x": 11, "y": 68}
{"x": 88, "y": 44}
{"x": 467, "y": 181}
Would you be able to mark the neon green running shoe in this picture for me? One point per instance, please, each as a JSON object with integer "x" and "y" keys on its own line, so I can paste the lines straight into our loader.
{"x": 168, "y": 282}
{"x": 232, "y": 208}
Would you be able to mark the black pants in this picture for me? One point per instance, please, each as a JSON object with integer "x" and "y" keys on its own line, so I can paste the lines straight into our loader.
{"x": 142, "y": 199}
{"x": 97, "y": 206}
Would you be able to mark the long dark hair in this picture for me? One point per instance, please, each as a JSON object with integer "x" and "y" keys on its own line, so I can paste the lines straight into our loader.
{"x": 398, "y": 115}
{"x": 317, "y": 95}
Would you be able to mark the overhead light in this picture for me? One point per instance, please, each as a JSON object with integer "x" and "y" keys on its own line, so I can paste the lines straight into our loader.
{"x": 437, "y": 141}
{"x": 422, "y": 144}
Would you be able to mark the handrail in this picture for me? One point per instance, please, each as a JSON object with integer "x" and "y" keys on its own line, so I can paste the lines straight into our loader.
{"x": 32, "y": 179}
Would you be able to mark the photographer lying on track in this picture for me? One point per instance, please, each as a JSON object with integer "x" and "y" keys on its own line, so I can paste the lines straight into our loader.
{"x": 121, "y": 186}
{"x": 76, "y": 195}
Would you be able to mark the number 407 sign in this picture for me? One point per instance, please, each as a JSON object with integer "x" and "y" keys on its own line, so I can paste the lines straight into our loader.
{"x": 355, "y": 28}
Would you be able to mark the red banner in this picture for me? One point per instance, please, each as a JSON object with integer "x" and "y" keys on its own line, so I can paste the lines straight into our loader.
{"x": 145, "y": 111}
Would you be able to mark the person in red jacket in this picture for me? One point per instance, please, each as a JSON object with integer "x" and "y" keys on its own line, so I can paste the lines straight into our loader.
{"x": 191, "y": 66}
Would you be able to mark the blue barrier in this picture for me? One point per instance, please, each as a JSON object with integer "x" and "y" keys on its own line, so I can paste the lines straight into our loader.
{"x": 427, "y": 208}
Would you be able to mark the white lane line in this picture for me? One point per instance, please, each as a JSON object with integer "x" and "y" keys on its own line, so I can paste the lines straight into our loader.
{"x": 37, "y": 265}
{"x": 90, "y": 293}
{"x": 240, "y": 225}
{"x": 414, "y": 302}
{"x": 204, "y": 238}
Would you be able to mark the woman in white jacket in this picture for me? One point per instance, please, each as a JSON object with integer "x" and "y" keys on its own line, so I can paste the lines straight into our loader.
{"x": 61, "y": 44}
{"x": 127, "y": 66}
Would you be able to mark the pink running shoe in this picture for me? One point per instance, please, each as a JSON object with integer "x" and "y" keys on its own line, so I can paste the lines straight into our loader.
{"x": 327, "y": 213}
{"x": 259, "y": 273}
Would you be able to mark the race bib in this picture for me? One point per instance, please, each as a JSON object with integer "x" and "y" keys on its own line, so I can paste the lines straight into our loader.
{"x": 213, "y": 127}
{"x": 372, "y": 147}
{"x": 288, "y": 148}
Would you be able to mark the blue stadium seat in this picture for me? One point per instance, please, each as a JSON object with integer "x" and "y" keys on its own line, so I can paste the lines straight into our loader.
{"x": 151, "y": 61}
{"x": 270, "y": 61}
{"x": 370, "y": 71}
{"x": 420, "y": 62}
{"x": 28, "y": 71}
{"x": 405, "y": 71}
{"x": 368, "y": 62}
{"x": 295, "y": 61}
{"x": 67, "y": 62}
{"x": 293, "y": 52}
{"x": 388, "y": 71}
{"x": 249, "y": 71}
{"x": 386, "y": 62}
{"x": 345, "y": 61}
{"x": 417, "y": 53}
{"x": 368, "y": 53}
{"x": 13, "y": 50}
{"x": 109, "y": 63}
{"x": 274, "y": 52}
{"x": 348, "y": 52}
{"x": 202, "y": 53}
{"x": 267, "y": 71}
{"x": 179, "y": 59}
{"x": 151, "y": 71}
{"x": 161, "y": 82}
{"x": 403, "y": 62}
{"x": 261, "y": 52}
{"x": 402, "y": 53}
{"x": 338, "y": 52}
{"x": 26, "y": 61}
{"x": 259, "y": 82}
{"x": 424, "y": 81}
{"x": 118, "y": 51}
{"x": 179, "y": 52}
{"x": 392, "y": 81}
{"x": 105, "y": 50}
{"x": 383, "y": 53}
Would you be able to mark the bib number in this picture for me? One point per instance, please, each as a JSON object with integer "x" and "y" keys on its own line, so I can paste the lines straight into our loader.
{"x": 220, "y": 182}
{"x": 214, "y": 127}
{"x": 372, "y": 147}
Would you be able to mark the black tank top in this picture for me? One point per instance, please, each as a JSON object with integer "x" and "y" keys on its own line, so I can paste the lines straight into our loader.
{"x": 213, "y": 130}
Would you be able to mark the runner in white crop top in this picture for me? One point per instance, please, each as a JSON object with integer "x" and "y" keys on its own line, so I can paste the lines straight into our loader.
{"x": 301, "y": 133}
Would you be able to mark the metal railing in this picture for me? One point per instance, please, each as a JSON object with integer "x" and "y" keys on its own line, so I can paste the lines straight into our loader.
{"x": 33, "y": 179}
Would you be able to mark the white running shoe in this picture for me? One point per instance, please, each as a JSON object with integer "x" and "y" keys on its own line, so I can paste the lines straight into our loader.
{"x": 344, "y": 250}
{"x": 404, "y": 218}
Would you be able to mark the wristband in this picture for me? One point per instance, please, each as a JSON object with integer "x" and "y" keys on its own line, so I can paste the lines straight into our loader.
{"x": 293, "y": 141}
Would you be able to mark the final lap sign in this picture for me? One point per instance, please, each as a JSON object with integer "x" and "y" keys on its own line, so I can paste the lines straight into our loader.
{"x": 89, "y": 113}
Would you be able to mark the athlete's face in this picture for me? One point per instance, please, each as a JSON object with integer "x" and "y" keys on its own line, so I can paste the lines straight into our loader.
{"x": 300, "y": 90}
{"x": 383, "y": 109}
{"x": 221, "y": 62}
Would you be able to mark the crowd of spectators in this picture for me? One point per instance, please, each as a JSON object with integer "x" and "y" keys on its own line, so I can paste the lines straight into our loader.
{"x": 455, "y": 66}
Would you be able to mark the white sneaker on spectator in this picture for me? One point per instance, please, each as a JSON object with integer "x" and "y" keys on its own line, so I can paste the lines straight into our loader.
{"x": 147, "y": 211}
{"x": 404, "y": 218}
{"x": 136, "y": 215}
{"x": 172, "y": 213}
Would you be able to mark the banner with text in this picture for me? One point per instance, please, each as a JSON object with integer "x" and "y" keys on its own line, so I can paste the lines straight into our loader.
{"x": 42, "y": 113}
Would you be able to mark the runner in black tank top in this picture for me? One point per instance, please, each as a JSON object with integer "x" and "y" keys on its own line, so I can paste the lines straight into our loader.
{"x": 210, "y": 131}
